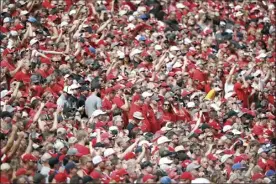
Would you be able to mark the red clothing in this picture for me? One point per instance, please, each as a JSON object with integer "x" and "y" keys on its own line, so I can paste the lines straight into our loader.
{"x": 43, "y": 73}
{"x": 241, "y": 93}
{"x": 120, "y": 102}
{"x": 149, "y": 116}
{"x": 106, "y": 104}
{"x": 4, "y": 29}
{"x": 134, "y": 108}
{"x": 168, "y": 116}
{"x": 8, "y": 65}
{"x": 4, "y": 179}
{"x": 83, "y": 150}
{"x": 198, "y": 75}
{"x": 20, "y": 76}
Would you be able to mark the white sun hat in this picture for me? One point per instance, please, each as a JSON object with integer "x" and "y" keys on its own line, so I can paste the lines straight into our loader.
{"x": 162, "y": 140}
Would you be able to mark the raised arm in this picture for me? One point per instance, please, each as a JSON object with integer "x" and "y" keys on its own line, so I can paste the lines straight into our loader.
{"x": 10, "y": 142}
{"x": 129, "y": 149}
{"x": 37, "y": 114}
{"x": 230, "y": 74}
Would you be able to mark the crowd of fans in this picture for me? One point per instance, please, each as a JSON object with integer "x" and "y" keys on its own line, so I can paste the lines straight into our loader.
{"x": 137, "y": 91}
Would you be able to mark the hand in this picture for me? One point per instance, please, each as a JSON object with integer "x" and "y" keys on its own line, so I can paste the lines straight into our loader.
{"x": 21, "y": 134}
{"x": 42, "y": 104}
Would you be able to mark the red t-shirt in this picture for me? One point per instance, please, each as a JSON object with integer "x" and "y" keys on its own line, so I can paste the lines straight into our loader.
{"x": 134, "y": 108}
{"x": 198, "y": 75}
{"x": 20, "y": 76}
{"x": 241, "y": 93}
{"x": 106, "y": 104}
{"x": 8, "y": 65}
{"x": 120, "y": 102}
{"x": 83, "y": 150}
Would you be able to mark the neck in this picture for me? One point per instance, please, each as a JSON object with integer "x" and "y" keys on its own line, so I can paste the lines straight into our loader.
{"x": 82, "y": 142}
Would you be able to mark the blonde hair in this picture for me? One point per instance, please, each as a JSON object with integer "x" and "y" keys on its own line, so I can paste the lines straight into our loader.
{"x": 81, "y": 134}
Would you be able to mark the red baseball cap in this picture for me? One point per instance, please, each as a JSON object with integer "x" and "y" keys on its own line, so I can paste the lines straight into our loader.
{"x": 60, "y": 177}
{"x": 148, "y": 177}
{"x": 129, "y": 155}
{"x": 121, "y": 172}
{"x": 20, "y": 172}
{"x": 186, "y": 176}
{"x": 28, "y": 157}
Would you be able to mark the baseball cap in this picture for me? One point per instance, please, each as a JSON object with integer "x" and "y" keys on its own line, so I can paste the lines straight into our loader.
{"x": 45, "y": 157}
{"x": 72, "y": 151}
{"x": 7, "y": 20}
{"x": 28, "y": 158}
{"x": 192, "y": 166}
{"x": 145, "y": 164}
{"x": 97, "y": 159}
{"x": 162, "y": 140}
{"x": 108, "y": 152}
{"x": 5, "y": 167}
{"x": 238, "y": 166}
{"x": 200, "y": 180}
{"x": 33, "y": 41}
{"x": 186, "y": 176}
{"x": 148, "y": 177}
{"x": 60, "y": 177}
{"x": 165, "y": 160}
{"x": 165, "y": 180}
{"x": 69, "y": 166}
{"x": 138, "y": 115}
{"x": 32, "y": 19}
{"x": 98, "y": 112}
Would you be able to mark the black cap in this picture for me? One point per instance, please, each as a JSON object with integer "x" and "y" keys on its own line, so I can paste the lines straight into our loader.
{"x": 53, "y": 161}
{"x": 145, "y": 164}
{"x": 5, "y": 114}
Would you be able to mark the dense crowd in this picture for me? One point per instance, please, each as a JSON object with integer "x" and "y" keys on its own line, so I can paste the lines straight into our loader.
{"x": 137, "y": 91}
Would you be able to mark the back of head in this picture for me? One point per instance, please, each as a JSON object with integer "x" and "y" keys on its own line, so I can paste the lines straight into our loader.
{"x": 81, "y": 134}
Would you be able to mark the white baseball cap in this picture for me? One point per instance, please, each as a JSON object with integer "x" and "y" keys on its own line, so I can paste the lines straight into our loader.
{"x": 108, "y": 152}
{"x": 174, "y": 48}
{"x": 179, "y": 148}
{"x": 7, "y": 20}
{"x": 97, "y": 159}
{"x": 61, "y": 130}
{"x": 157, "y": 47}
{"x": 165, "y": 160}
{"x": 24, "y": 12}
{"x": 191, "y": 104}
{"x": 162, "y": 140}
{"x": 98, "y": 112}
{"x": 58, "y": 145}
{"x": 5, "y": 167}
{"x": 226, "y": 128}
{"x": 45, "y": 157}
{"x": 72, "y": 12}
{"x": 33, "y": 41}
{"x": 180, "y": 5}
{"x": 146, "y": 94}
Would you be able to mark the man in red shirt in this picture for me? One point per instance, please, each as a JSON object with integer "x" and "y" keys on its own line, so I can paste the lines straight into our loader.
{"x": 6, "y": 25}
{"x": 121, "y": 101}
{"x": 24, "y": 75}
{"x": 82, "y": 140}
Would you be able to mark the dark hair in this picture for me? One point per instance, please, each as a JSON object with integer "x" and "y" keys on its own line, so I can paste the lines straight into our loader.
{"x": 117, "y": 112}
{"x": 75, "y": 179}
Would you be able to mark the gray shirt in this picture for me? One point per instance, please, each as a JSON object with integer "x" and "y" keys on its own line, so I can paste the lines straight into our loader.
{"x": 45, "y": 171}
{"x": 92, "y": 103}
